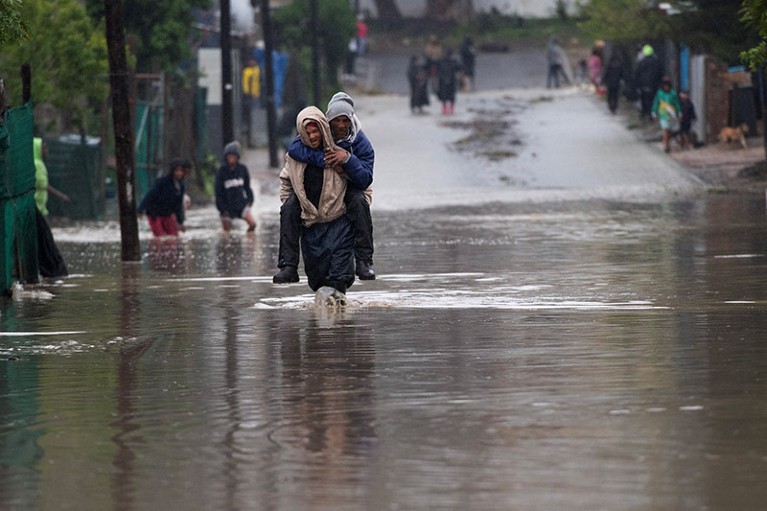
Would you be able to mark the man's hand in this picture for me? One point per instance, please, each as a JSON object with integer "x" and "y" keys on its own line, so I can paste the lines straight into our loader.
{"x": 336, "y": 158}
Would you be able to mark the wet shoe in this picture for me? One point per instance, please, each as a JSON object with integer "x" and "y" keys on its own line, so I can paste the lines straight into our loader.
{"x": 286, "y": 275}
{"x": 365, "y": 271}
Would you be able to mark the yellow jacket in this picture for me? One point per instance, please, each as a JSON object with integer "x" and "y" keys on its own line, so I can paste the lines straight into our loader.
{"x": 251, "y": 81}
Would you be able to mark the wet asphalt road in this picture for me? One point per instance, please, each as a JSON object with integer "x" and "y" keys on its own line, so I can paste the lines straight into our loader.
{"x": 576, "y": 325}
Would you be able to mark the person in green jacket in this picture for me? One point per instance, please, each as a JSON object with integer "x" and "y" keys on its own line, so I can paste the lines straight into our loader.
{"x": 50, "y": 261}
{"x": 666, "y": 109}
{"x": 42, "y": 186}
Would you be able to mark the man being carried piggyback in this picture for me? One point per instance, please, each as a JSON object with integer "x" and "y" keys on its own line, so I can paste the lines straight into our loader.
{"x": 354, "y": 154}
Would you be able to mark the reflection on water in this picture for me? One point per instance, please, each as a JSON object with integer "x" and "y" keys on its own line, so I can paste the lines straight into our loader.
{"x": 566, "y": 356}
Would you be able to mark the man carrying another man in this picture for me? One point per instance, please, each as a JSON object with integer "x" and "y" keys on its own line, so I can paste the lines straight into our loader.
{"x": 355, "y": 156}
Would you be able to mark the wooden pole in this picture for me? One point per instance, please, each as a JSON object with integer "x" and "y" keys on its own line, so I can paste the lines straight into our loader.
{"x": 26, "y": 83}
{"x": 227, "y": 91}
{"x": 271, "y": 112}
{"x": 123, "y": 130}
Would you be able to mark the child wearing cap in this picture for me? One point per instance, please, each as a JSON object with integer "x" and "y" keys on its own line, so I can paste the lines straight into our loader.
{"x": 234, "y": 196}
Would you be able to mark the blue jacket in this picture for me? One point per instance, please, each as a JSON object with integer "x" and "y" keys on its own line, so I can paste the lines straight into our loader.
{"x": 359, "y": 168}
{"x": 165, "y": 199}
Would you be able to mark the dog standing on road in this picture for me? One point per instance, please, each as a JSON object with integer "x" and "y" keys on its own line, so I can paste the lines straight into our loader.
{"x": 737, "y": 133}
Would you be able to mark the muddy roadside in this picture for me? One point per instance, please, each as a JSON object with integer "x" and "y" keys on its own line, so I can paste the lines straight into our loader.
{"x": 726, "y": 168}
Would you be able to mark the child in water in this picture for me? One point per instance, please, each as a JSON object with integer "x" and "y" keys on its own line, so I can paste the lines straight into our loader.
{"x": 164, "y": 204}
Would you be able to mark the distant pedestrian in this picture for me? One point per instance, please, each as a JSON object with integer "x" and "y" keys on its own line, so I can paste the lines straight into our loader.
{"x": 595, "y": 68}
{"x": 49, "y": 260}
{"x": 582, "y": 74}
{"x": 665, "y": 109}
{"x": 251, "y": 84}
{"x": 468, "y": 61}
{"x": 686, "y": 118}
{"x": 362, "y": 35}
{"x": 448, "y": 73}
{"x": 647, "y": 77}
{"x": 42, "y": 185}
{"x": 251, "y": 95}
{"x": 418, "y": 79}
{"x": 555, "y": 58}
{"x": 234, "y": 196}
{"x": 164, "y": 203}
{"x": 352, "y": 51}
{"x": 612, "y": 81}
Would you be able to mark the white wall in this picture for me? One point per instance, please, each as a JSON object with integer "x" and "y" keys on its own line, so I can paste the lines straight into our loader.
{"x": 209, "y": 61}
{"x": 524, "y": 8}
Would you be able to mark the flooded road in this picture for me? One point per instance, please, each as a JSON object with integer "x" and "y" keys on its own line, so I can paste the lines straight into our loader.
{"x": 557, "y": 355}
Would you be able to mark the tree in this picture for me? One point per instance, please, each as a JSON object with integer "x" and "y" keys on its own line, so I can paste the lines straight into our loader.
{"x": 12, "y": 26}
{"x": 621, "y": 20}
{"x": 159, "y": 30}
{"x": 335, "y": 26}
{"x": 707, "y": 26}
{"x": 68, "y": 58}
{"x": 713, "y": 27}
{"x": 754, "y": 15}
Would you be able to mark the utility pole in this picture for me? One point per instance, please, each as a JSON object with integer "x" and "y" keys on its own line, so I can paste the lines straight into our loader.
{"x": 227, "y": 108}
{"x": 271, "y": 115}
{"x": 315, "y": 53}
{"x": 123, "y": 130}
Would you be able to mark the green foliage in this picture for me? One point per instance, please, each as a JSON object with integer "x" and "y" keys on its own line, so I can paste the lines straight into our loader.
{"x": 754, "y": 15}
{"x": 68, "y": 58}
{"x": 335, "y": 26}
{"x": 713, "y": 27}
{"x": 707, "y": 26}
{"x": 621, "y": 20}
{"x": 12, "y": 26}
{"x": 159, "y": 31}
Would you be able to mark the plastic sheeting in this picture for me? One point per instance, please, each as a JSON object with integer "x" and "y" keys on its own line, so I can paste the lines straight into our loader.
{"x": 18, "y": 229}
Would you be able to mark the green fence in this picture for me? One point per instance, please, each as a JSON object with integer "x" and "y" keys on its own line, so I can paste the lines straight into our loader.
{"x": 75, "y": 167}
{"x": 18, "y": 228}
{"x": 149, "y": 146}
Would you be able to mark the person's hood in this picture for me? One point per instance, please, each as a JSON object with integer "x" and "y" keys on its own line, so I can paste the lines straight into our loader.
{"x": 647, "y": 50}
{"x": 343, "y": 104}
{"x": 314, "y": 114}
{"x": 232, "y": 148}
{"x": 37, "y": 148}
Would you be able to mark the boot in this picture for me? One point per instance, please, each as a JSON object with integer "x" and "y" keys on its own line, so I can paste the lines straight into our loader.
{"x": 365, "y": 270}
{"x": 286, "y": 275}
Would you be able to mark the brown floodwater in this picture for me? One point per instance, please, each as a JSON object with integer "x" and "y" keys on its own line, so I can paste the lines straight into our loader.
{"x": 590, "y": 355}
